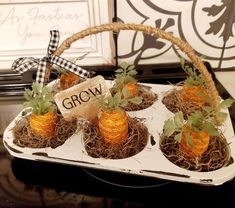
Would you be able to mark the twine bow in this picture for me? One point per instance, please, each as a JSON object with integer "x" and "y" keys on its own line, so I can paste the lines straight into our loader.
{"x": 23, "y": 64}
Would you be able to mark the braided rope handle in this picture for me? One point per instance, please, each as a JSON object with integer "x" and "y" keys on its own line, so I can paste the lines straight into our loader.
{"x": 155, "y": 32}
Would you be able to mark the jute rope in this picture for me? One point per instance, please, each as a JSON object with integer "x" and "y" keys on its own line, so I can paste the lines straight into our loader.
{"x": 155, "y": 32}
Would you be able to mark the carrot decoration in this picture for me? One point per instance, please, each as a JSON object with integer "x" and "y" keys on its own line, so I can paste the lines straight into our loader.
{"x": 113, "y": 121}
{"x": 194, "y": 90}
{"x": 68, "y": 80}
{"x": 195, "y": 133}
{"x": 132, "y": 88}
{"x": 194, "y": 94}
{"x": 125, "y": 78}
{"x": 43, "y": 119}
{"x": 113, "y": 126}
{"x": 200, "y": 142}
{"x": 43, "y": 125}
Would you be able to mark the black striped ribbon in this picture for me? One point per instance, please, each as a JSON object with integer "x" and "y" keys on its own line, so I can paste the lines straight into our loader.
{"x": 23, "y": 64}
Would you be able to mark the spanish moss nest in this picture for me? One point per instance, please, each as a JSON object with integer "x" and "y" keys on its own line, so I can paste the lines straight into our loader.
{"x": 24, "y": 137}
{"x": 96, "y": 146}
{"x": 148, "y": 98}
{"x": 174, "y": 103}
{"x": 216, "y": 156}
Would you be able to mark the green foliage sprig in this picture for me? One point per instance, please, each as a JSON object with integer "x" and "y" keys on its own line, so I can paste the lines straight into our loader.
{"x": 118, "y": 101}
{"x": 125, "y": 74}
{"x": 219, "y": 115}
{"x": 39, "y": 99}
{"x": 193, "y": 79}
{"x": 205, "y": 120}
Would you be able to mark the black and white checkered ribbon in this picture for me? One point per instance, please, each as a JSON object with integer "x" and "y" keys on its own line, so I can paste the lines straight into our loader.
{"x": 23, "y": 64}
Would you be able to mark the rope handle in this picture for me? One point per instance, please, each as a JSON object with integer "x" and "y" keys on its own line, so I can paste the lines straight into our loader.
{"x": 155, "y": 32}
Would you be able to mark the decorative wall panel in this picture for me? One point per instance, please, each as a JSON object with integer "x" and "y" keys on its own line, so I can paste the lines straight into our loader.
{"x": 208, "y": 26}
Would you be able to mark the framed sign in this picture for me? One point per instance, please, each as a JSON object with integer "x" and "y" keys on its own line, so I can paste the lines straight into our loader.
{"x": 25, "y": 29}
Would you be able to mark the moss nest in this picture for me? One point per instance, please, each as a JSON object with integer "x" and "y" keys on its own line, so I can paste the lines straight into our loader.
{"x": 148, "y": 98}
{"x": 216, "y": 156}
{"x": 96, "y": 146}
{"x": 25, "y": 137}
{"x": 174, "y": 103}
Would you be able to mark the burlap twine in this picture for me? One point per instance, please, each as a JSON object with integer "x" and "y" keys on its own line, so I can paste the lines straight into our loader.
{"x": 155, "y": 32}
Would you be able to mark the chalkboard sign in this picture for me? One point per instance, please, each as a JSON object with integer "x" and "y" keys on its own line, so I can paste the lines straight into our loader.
{"x": 25, "y": 29}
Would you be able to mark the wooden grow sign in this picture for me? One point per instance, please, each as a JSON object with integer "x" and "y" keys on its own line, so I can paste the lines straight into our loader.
{"x": 80, "y": 101}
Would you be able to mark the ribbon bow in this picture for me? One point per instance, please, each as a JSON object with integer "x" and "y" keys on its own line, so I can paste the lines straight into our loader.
{"x": 23, "y": 64}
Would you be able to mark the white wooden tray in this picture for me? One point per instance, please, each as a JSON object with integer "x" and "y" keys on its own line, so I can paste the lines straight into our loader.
{"x": 149, "y": 162}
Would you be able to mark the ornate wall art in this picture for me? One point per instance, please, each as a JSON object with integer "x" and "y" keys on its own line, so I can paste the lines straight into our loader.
{"x": 208, "y": 26}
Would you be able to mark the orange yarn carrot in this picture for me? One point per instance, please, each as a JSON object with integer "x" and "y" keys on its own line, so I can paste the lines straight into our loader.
{"x": 199, "y": 143}
{"x": 67, "y": 80}
{"x": 194, "y": 94}
{"x": 113, "y": 126}
{"x": 132, "y": 88}
{"x": 42, "y": 119}
{"x": 43, "y": 125}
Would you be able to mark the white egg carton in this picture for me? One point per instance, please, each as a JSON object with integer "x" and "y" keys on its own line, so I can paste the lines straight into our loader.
{"x": 149, "y": 162}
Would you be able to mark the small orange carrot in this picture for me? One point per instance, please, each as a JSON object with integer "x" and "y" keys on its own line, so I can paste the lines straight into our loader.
{"x": 199, "y": 143}
{"x": 43, "y": 125}
{"x": 194, "y": 94}
{"x": 42, "y": 119}
{"x": 113, "y": 126}
{"x": 132, "y": 88}
{"x": 67, "y": 80}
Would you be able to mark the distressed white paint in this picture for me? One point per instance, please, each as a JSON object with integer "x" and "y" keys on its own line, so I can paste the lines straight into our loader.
{"x": 150, "y": 158}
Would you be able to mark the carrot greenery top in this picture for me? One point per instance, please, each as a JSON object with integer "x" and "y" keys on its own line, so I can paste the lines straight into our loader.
{"x": 198, "y": 121}
{"x": 193, "y": 79}
{"x": 118, "y": 101}
{"x": 125, "y": 74}
{"x": 39, "y": 99}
